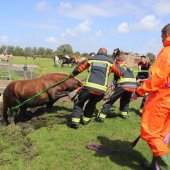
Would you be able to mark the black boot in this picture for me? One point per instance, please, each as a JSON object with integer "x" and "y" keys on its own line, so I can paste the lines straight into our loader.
{"x": 149, "y": 166}
{"x": 100, "y": 120}
{"x": 163, "y": 162}
{"x": 74, "y": 126}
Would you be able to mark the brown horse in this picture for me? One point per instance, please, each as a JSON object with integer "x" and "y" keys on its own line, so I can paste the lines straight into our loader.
{"x": 78, "y": 59}
{"x": 18, "y": 91}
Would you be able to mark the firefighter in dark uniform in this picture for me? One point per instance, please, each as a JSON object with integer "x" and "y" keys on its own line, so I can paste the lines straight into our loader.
{"x": 99, "y": 67}
{"x": 124, "y": 86}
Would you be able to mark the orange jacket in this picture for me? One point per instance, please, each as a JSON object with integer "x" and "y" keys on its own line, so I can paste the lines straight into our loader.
{"x": 160, "y": 72}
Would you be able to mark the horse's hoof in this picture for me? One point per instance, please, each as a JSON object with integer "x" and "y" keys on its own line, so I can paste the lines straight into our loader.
{"x": 3, "y": 123}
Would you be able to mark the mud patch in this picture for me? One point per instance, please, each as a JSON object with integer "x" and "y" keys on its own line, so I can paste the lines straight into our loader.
{"x": 15, "y": 144}
{"x": 1, "y": 105}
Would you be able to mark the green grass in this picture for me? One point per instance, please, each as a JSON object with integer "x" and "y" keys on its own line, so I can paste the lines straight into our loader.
{"x": 45, "y": 65}
{"x": 46, "y": 143}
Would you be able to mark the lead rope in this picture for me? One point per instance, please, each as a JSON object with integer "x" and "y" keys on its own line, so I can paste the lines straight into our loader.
{"x": 38, "y": 94}
{"x": 103, "y": 150}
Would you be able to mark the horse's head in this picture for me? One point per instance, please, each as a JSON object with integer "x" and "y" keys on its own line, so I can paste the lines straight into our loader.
{"x": 69, "y": 85}
{"x": 73, "y": 83}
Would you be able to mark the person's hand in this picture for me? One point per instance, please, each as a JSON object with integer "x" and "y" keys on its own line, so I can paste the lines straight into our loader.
{"x": 112, "y": 88}
{"x": 73, "y": 95}
{"x": 138, "y": 82}
{"x": 134, "y": 95}
{"x": 71, "y": 75}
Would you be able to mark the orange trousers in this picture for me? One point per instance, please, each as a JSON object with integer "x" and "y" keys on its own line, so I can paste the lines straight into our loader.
{"x": 155, "y": 123}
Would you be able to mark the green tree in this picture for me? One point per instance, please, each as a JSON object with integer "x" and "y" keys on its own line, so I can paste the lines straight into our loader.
{"x": 64, "y": 49}
{"x": 77, "y": 53}
{"x": 34, "y": 50}
{"x": 28, "y": 51}
{"x": 2, "y": 49}
{"x": 18, "y": 51}
{"x": 10, "y": 49}
{"x": 85, "y": 55}
{"x": 49, "y": 52}
{"x": 41, "y": 51}
{"x": 151, "y": 57}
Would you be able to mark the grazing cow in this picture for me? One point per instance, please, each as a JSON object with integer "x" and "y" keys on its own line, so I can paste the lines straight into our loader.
{"x": 18, "y": 91}
{"x": 56, "y": 60}
{"x": 66, "y": 60}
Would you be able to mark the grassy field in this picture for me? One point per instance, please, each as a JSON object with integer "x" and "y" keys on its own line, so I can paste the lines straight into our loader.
{"x": 46, "y": 143}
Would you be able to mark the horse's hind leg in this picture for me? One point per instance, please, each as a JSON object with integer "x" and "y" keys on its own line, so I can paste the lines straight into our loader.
{"x": 20, "y": 117}
{"x": 5, "y": 120}
{"x": 49, "y": 107}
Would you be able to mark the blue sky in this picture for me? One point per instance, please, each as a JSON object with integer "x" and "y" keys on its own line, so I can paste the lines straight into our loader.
{"x": 87, "y": 25}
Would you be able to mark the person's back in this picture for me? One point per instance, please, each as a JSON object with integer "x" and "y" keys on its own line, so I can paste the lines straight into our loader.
{"x": 100, "y": 66}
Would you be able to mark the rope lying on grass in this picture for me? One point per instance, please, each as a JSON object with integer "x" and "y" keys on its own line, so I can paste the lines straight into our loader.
{"x": 100, "y": 149}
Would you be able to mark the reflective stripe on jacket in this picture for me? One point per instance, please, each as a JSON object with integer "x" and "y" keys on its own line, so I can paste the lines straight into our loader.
{"x": 98, "y": 74}
{"x": 127, "y": 80}
{"x": 99, "y": 67}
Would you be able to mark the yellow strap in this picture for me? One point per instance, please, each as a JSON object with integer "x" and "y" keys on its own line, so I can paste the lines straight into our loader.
{"x": 107, "y": 73}
{"x": 102, "y": 115}
{"x": 123, "y": 64}
{"x": 124, "y": 113}
{"x": 122, "y": 80}
{"x": 100, "y": 61}
{"x": 76, "y": 120}
{"x": 96, "y": 86}
{"x": 86, "y": 119}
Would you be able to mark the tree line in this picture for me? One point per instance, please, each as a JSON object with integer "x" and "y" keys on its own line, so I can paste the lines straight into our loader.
{"x": 65, "y": 49}
{"x": 40, "y": 51}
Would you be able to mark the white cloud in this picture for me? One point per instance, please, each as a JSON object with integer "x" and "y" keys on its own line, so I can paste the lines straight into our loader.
{"x": 147, "y": 23}
{"x": 103, "y": 8}
{"x": 64, "y": 6}
{"x": 42, "y": 6}
{"x": 69, "y": 33}
{"x": 84, "y": 26}
{"x": 123, "y": 27}
{"x": 94, "y": 38}
{"x": 4, "y": 39}
{"x": 51, "y": 39}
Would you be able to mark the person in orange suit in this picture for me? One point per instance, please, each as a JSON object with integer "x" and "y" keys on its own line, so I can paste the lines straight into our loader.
{"x": 155, "y": 122}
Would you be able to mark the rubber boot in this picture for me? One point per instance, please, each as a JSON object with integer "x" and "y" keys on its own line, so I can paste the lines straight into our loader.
{"x": 163, "y": 162}
{"x": 85, "y": 120}
{"x": 150, "y": 166}
{"x": 101, "y": 117}
{"x": 124, "y": 115}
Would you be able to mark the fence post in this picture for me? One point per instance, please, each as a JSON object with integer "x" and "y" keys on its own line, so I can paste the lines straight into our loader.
{"x": 25, "y": 71}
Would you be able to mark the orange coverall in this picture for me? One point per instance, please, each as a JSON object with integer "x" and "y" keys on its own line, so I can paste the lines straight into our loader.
{"x": 155, "y": 123}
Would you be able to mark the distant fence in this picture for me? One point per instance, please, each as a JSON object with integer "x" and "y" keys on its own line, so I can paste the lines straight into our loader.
{"x": 5, "y": 73}
{"x": 19, "y": 67}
